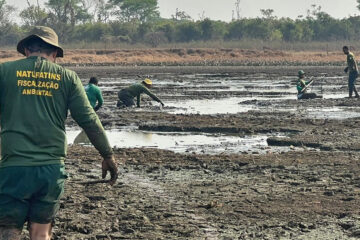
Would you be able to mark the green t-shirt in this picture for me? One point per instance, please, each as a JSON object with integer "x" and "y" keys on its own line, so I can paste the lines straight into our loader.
{"x": 351, "y": 62}
{"x": 137, "y": 89}
{"x": 93, "y": 93}
{"x": 35, "y": 96}
{"x": 301, "y": 83}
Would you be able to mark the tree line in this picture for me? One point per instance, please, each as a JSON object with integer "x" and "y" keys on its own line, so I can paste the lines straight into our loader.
{"x": 139, "y": 21}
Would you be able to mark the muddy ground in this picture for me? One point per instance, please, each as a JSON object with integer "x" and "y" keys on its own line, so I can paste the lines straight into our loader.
{"x": 309, "y": 194}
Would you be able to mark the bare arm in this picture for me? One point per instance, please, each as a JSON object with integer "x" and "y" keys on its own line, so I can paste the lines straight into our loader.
{"x": 86, "y": 117}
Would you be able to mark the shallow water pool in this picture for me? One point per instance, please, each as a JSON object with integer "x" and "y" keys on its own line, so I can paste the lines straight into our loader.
{"x": 180, "y": 142}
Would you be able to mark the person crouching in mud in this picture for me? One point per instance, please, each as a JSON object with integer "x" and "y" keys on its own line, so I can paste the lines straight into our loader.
{"x": 93, "y": 93}
{"x": 127, "y": 95}
{"x": 301, "y": 86}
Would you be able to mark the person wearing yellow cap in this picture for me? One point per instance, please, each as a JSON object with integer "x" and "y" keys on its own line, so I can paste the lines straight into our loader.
{"x": 127, "y": 95}
{"x": 35, "y": 96}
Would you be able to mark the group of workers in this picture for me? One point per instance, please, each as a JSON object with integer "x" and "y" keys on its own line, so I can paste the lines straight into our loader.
{"x": 35, "y": 96}
{"x": 352, "y": 69}
{"x": 126, "y": 96}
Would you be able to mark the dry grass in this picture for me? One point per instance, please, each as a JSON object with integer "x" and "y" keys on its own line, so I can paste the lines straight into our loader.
{"x": 194, "y": 56}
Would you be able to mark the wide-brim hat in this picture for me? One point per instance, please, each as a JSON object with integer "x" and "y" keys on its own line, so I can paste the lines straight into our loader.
{"x": 147, "y": 81}
{"x": 46, "y": 34}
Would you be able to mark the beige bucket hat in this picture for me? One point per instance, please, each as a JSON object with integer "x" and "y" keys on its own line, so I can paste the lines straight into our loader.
{"x": 46, "y": 34}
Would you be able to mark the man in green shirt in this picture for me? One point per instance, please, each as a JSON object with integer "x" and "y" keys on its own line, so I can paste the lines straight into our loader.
{"x": 353, "y": 70}
{"x": 127, "y": 95}
{"x": 35, "y": 96}
{"x": 301, "y": 82}
{"x": 93, "y": 93}
{"x": 302, "y": 85}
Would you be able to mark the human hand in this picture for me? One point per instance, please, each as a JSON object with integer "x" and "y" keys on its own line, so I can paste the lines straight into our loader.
{"x": 109, "y": 164}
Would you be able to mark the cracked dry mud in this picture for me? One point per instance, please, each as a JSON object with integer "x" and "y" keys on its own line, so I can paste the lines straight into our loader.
{"x": 308, "y": 194}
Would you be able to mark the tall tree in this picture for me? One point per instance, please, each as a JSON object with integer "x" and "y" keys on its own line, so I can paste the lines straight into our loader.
{"x": 238, "y": 10}
{"x": 99, "y": 10}
{"x": 313, "y": 12}
{"x": 102, "y": 11}
{"x": 139, "y": 10}
{"x": 34, "y": 15}
{"x": 63, "y": 15}
{"x": 5, "y": 12}
{"x": 68, "y": 11}
{"x": 267, "y": 13}
{"x": 9, "y": 31}
{"x": 180, "y": 15}
{"x": 207, "y": 28}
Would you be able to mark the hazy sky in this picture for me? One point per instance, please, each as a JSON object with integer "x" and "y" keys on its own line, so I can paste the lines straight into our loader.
{"x": 222, "y": 9}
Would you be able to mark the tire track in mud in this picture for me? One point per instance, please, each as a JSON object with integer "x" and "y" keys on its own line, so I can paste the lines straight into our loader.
{"x": 151, "y": 189}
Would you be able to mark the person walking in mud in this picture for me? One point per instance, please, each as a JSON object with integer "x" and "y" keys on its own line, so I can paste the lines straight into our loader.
{"x": 127, "y": 95}
{"x": 93, "y": 93}
{"x": 35, "y": 96}
{"x": 353, "y": 71}
{"x": 302, "y": 86}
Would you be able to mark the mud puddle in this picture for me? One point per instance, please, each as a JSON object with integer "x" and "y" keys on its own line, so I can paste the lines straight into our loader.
{"x": 335, "y": 113}
{"x": 185, "y": 142}
{"x": 219, "y": 106}
{"x": 244, "y": 105}
{"x": 225, "y": 93}
{"x": 338, "y": 113}
{"x": 334, "y": 96}
{"x": 209, "y": 106}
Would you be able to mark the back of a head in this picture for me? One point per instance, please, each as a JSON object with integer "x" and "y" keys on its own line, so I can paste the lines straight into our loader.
{"x": 36, "y": 38}
{"x": 38, "y": 45}
{"x": 94, "y": 80}
{"x": 301, "y": 73}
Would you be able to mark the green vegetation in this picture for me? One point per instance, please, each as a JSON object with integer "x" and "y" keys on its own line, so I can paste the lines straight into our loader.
{"x": 115, "y": 23}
